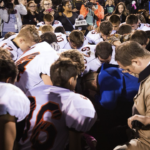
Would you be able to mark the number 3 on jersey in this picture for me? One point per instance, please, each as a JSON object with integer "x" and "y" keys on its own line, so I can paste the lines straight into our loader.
{"x": 41, "y": 126}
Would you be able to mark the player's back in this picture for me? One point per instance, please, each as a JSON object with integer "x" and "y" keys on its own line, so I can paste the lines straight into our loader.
{"x": 93, "y": 37}
{"x": 55, "y": 110}
{"x": 33, "y": 64}
{"x": 13, "y": 101}
{"x": 61, "y": 39}
{"x": 57, "y": 23}
{"x": 144, "y": 27}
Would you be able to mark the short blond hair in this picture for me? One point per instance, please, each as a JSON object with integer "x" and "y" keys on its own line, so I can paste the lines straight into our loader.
{"x": 42, "y": 3}
{"x": 30, "y": 33}
{"x": 46, "y": 28}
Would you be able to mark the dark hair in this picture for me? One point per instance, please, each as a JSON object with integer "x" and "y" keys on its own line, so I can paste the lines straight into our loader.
{"x": 48, "y": 37}
{"x": 8, "y": 69}
{"x": 60, "y": 8}
{"x": 128, "y": 51}
{"x": 104, "y": 50}
{"x": 132, "y": 19}
{"x": 77, "y": 37}
{"x": 141, "y": 18}
{"x": 105, "y": 27}
{"x": 114, "y": 18}
{"x": 48, "y": 17}
{"x": 62, "y": 70}
{"x": 125, "y": 12}
{"x": 60, "y": 29}
{"x": 140, "y": 37}
{"x": 28, "y": 4}
{"x": 8, "y": 34}
{"x": 76, "y": 57}
{"x": 124, "y": 29}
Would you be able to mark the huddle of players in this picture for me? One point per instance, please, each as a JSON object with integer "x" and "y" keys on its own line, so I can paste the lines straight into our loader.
{"x": 40, "y": 67}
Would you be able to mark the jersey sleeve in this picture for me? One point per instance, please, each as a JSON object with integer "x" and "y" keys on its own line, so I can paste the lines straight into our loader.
{"x": 14, "y": 102}
{"x": 80, "y": 114}
{"x": 5, "y": 44}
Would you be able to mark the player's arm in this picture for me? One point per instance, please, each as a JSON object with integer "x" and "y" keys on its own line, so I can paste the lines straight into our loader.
{"x": 74, "y": 140}
{"x": 7, "y": 132}
{"x": 46, "y": 79}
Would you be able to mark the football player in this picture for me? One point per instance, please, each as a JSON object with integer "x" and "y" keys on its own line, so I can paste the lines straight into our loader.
{"x": 14, "y": 105}
{"x": 57, "y": 113}
{"x": 76, "y": 40}
{"x": 27, "y": 37}
{"x": 49, "y": 20}
{"x": 34, "y": 65}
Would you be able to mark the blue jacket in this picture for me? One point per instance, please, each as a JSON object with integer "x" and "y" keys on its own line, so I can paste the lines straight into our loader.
{"x": 114, "y": 84}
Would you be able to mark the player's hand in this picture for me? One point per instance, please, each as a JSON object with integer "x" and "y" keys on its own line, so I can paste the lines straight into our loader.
{"x": 52, "y": 12}
{"x": 21, "y": 2}
{"x": 143, "y": 119}
{"x": 93, "y": 8}
{"x": 90, "y": 28}
{"x": 117, "y": 43}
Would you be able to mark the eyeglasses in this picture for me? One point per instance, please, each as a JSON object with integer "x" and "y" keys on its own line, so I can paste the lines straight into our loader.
{"x": 32, "y": 6}
{"x": 47, "y": 4}
{"x": 69, "y": 5}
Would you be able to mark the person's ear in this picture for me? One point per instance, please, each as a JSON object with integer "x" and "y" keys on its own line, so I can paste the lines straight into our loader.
{"x": 21, "y": 40}
{"x": 68, "y": 38}
{"x": 147, "y": 41}
{"x": 9, "y": 80}
{"x": 70, "y": 81}
{"x": 136, "y": 62}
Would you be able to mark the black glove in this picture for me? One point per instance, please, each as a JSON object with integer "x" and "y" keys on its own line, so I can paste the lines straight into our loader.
{"x": 137, "y": 125}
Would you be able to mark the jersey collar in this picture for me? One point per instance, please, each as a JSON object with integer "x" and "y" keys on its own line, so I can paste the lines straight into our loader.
{"x": 15, "y": 43}
{"x": 144, "y": 74}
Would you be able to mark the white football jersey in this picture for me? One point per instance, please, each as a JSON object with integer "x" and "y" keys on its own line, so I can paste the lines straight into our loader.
{"x": 113, "y": 32}
{"x": 144, "y": 27}
{"x": 88, "y": 52}
{"x": 40, "y": 24}
{"x": 1, "y": 39}
{"x": 55, "y": 24}
{"x": 33, "y": 63}
{"x": 13, "y": 101}
{"x": 12, "y": 47}
{"x": 93, "y": 37}
{"x": 95, "y": 63}
{"x": 54, "y": 111}
{"x": 113, "y": 61}
{"x": 61, "y": 39}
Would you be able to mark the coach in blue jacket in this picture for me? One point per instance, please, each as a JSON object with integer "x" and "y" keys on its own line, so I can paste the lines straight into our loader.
{"x": 113, "y": 102}
{"x": 112, "y": 84}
